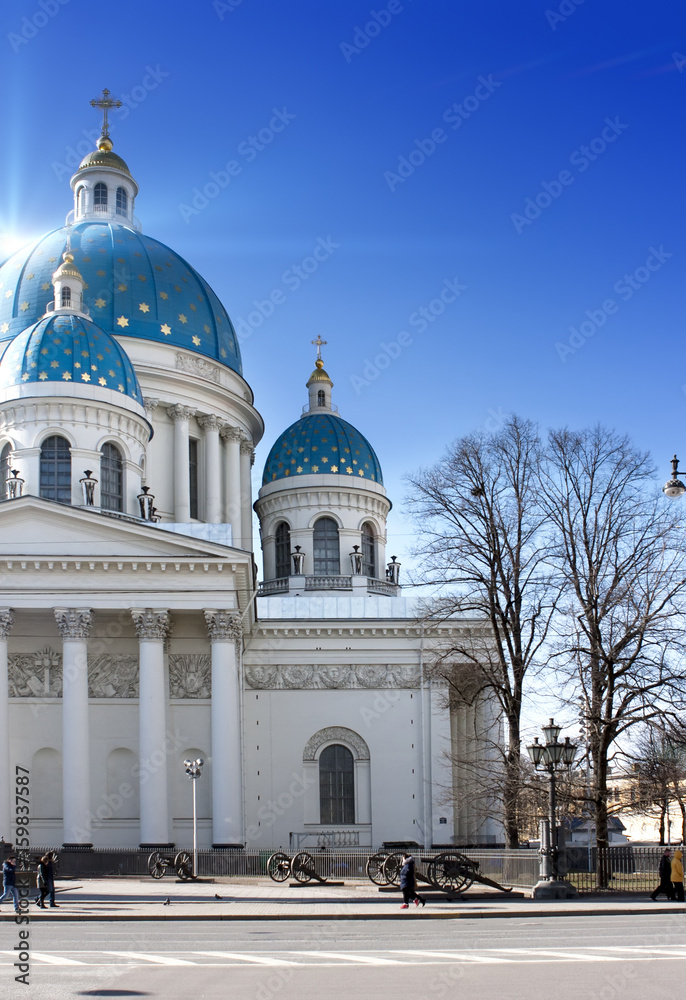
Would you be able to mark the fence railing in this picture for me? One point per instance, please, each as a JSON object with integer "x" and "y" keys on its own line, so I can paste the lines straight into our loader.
{"x": 623, "y": 869}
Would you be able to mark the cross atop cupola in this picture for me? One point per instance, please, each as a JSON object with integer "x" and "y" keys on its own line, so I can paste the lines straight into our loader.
{"x": 319, "y": 383}
{"x": 104, "y": 103}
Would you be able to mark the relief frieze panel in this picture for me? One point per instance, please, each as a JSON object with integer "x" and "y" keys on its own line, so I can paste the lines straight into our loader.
{"x": 190, "y": 675}
{"x": 331, "y": 676}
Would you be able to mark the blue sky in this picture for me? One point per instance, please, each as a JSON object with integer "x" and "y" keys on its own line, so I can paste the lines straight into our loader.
{"x": 411, "y": 145}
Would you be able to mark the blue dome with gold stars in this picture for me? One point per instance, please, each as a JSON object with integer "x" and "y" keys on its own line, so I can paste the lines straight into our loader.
{"x": 66, "y": 348}
{"x": 135, "y": 286}
{"x": 322, "y": 443}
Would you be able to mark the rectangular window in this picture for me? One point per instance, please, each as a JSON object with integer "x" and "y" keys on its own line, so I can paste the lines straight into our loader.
{"x": 193, "y": 476}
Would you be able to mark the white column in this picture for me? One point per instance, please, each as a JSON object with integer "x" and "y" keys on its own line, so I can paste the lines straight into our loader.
{"x": 227, "y": 766}
{"x": 152, "y": 626}
{"x": 212, "y": 425}
{"x": 232, "y": 491}
{"x": 6, "y": 623}
{"x": 182, "y": 492}
{"x": 247, "y": 459}
{"x": 75, "y": 625}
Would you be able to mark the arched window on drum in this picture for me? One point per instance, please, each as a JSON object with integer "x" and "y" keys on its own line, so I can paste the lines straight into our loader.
{"x": 283, "y": 550}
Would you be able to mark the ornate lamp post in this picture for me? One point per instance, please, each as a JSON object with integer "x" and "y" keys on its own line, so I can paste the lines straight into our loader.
{"x": 551, "y": 757}
{"x": 15, "y": 485}
{"x": 194, "y": 770}
{"x": 674, "y": 488}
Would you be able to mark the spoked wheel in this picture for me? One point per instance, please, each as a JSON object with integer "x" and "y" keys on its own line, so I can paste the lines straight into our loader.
{"x": 303, "y": 866}
{"x": 375, "y": 869}
{"x": 155, "y": 865}
{"x": 279, "y": 867}
{"x": 391, "y": 868}
{"x": 451, "y": 871}
{"x": 183, "y": 863}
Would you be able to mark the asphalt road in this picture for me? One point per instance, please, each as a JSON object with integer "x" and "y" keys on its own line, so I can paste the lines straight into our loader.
{"x": 595, "y": 958}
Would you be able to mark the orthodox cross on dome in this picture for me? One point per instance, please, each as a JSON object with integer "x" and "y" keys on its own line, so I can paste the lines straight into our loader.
{"x": 104, "y": 103}
{"x": 318, "y": 344}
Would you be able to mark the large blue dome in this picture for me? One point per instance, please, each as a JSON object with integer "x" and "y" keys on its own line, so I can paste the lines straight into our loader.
{"x": 135, "y": 287}
{"x": 322, "y": 443}
{"x": 66, "y": 348}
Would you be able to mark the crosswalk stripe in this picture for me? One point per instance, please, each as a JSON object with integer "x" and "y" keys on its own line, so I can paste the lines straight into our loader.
{"x": 41, "y": 956}
{"x": 155, "y": 959}
{"x": 349, "y": 957}
{"x": 241, "y": 957}
{"x": 563, "y": 953}
{"x": 455, "y": 956}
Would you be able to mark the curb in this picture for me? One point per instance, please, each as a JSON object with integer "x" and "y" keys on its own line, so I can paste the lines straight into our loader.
{"x": 419, "y": 915}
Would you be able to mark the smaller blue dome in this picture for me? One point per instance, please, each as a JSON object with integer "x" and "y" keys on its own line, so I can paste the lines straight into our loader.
{"x": 68, "y": 348}
{"x": 324, "y": 444}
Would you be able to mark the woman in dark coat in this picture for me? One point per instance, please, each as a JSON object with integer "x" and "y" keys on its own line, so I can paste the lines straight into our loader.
{"x": 46, "y": 881}
{"x": 408, "y": 883}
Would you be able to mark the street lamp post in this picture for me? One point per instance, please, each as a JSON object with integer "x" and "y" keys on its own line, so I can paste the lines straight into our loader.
{"x": 194, "y": 770}
{"x": 551, "y": 756}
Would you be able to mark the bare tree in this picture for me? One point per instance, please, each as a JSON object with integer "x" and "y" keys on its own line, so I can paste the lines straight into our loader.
{"x": 659, "y": 775}
{"x": 482, "y": 542}
{"x": 619, "y": 549}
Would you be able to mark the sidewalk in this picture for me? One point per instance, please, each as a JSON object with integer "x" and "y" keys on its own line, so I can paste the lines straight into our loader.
{"x": 262, "y": 899}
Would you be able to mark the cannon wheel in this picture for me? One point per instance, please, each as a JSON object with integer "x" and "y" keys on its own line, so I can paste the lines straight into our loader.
{"x": 375, "y": 869}
{"x": 391, "y": 868}
{"x": 183, "y": 863}
{"x": 301, "y": 862}
{"x": 443, "y": 874}
{"x": 279, "y": 867}
{"x": 156, "y": 866}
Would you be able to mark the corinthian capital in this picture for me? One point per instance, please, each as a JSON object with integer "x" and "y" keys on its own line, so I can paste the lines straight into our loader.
{"x": 150, "y": 404}
{"x": 179, "y": 412}
{"x": 232, "y": 434}
{"x": 74, "y": 623}
{"x": 6, "y": 622}
{"x": 151, "y": 623}
{"x": 247, "y": 449}
{"x": 210, "y": 422}
{"x": 223, "y": 626}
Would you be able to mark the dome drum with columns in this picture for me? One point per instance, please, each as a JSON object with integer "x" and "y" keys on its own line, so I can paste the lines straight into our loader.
{"x": 322, "y": 506}
{"x": 133, "y": 632}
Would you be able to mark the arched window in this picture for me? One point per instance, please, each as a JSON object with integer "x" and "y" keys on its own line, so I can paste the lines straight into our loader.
{"x": 193, "y": 477}
{"x": 100, "y": 197}
{"x": 336, "y": 785}
{"x": 111, "y": 478}
{"x": 66, "y": 297}
{"x": 326, "y": 548}
{"x": 81, "y": 200}
{"x": 5, "y": 463}
{"x": 55, "y": 469}
{"x": 321, "y": 398}
{"x": 122, "y": 201}
{"x": 368, "y": 554}
{"x": 283, "y": 550}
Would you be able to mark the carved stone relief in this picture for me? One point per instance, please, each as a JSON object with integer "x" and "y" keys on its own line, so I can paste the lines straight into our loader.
{"x": 332, "y": 676}
{"x": 113, "y": 676}
{"x": 197, "y": 366}
{"x": 337, "y": 734}
{"x": 35, "y": 675}
{"x": 190, "y": 675}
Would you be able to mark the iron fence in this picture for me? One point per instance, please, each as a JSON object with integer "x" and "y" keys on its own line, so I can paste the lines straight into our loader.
{"x": 622, "y": 869}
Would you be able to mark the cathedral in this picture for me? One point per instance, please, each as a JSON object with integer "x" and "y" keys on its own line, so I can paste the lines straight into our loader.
{"x": 134, "y": 632}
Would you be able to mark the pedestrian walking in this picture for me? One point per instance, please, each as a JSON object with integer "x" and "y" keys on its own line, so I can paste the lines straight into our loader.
{"x": 45, "y": 880}
{"x": 665, "y": 872}
{"x": 9, "y": 881}
{"x": 408, "y": 883}
{"x": 677, "y": 876}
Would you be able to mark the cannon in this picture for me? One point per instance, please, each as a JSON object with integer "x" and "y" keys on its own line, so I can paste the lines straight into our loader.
{"x": 302, "y": 867}
{"x": 449, "y": 872}
{"x": 181, "y": 864}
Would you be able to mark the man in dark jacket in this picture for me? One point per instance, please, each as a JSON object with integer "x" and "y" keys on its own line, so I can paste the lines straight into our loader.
{"x": 408, "y": 883}
{"x": 665, "y": 872}
{"x": 9, "y": 881}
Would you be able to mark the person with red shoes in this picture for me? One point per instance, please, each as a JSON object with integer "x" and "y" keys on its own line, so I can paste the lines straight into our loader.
{"x": 408, "y": 883}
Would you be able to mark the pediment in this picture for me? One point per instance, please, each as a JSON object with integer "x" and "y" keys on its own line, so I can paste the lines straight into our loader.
{"x": 31, "y": 527}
